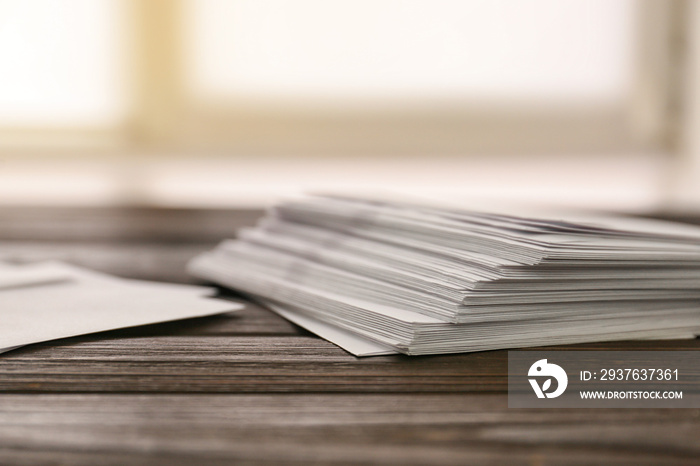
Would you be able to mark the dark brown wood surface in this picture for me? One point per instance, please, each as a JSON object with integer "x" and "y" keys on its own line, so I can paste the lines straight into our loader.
{"x": 251, "y": 387}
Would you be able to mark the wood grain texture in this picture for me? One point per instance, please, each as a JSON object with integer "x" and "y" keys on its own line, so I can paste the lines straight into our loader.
{"x": 129, "y": 224}
{"x": 145, "y": 261}
{"x": 245, "y": 364}
{"x": 252, "y": 388}
{"x": 237, "y": 364}
{"x": 365, "y": 429}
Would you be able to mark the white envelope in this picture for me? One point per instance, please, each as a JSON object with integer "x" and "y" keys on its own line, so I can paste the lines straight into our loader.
{"x": 52, "y": 300}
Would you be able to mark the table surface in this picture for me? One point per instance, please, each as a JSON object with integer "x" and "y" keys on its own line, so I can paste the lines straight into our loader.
{"x": 252, "y": 387}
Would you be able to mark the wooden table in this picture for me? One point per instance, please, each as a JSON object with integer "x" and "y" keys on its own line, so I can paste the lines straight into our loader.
{"x": 254, "y": 388}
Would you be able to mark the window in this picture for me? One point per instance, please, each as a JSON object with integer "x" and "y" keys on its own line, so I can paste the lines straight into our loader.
{"x": 408, "y": 52}
{"x": 362, "y": 75}
{"x": 121, "y": 79}
{"x": 62, "y": 67}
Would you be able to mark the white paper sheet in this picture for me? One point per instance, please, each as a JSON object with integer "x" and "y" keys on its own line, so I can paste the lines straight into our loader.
{"x": 14, "y": 277}
{"x": 52, "y": 300}
{"x": 350, "y": 342}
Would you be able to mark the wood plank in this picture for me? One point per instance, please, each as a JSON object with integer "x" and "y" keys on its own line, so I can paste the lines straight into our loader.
{"x": 237, "y": 364}
{"x": 129, "y": 224}
{"x": 140, "y": 260}
{"x": 411, "y": 429}
{"x": 242, "y": 364}
{"x": 252, "y": 388}
{"x": 274, "y": 451}
{"x": 419, "y": 409}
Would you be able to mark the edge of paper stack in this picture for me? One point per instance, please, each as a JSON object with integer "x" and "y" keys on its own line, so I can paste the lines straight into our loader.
{"x": 377, "y": 277}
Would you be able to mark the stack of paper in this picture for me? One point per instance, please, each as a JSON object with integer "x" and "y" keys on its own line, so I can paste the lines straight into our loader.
{"x": 423, "y": 279}
{"x": 52, "y": 300}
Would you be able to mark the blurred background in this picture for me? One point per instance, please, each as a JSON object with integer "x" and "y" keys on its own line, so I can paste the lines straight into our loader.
{"x": 226, "y": 103}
